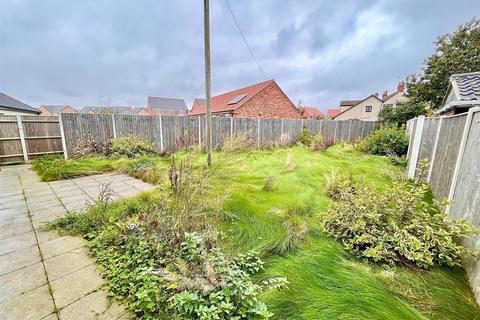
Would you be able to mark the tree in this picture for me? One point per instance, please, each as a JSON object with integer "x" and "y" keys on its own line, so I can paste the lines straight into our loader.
{"x": 402, "y": 112}
{"x": 455, "y": 52}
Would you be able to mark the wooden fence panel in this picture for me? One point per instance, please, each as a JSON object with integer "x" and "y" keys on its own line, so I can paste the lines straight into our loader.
{"x": 147, "y": 128}
{"x": 79, "y": 128}
{"x": 429, "y": 134}
{"x": 10, "y": 145}
{"x": 446, "y": 155}
{"x": 292, "y": 128}
{"x": 248, "y": 126}
{"x": 42, "y": 135}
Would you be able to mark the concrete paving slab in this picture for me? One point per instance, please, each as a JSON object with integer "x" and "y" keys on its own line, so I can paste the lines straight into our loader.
{"x": 68, "y": 262}
{"x": 22, "y": 280}
{"x": 17, "y": 242}
{"x": 45, "y": 236}
{"x": 60, "y": 245}
{"x": 94, "y": 306}
{"x": 19, "y": 259}
{"x": 14, "y": 229}
{"x": 86, "y": 280}
{"x": 33, "y": 305}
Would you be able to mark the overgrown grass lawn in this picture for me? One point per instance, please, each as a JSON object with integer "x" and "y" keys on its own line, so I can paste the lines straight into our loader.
{"x": 325, "y": 282}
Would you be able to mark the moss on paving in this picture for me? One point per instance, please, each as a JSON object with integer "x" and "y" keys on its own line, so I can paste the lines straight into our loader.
{"x": 326, "y": 282}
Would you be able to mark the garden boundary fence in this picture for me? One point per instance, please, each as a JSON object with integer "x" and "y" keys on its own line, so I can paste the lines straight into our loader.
{"x": 169, "y": 133}
{"x": 452, "y": 146}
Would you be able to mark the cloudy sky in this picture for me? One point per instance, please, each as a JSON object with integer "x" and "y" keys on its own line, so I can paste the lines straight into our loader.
{"x": 118, "y": 52}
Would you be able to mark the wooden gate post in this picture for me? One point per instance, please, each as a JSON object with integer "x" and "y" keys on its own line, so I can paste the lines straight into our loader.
{"x": 22, "y": 138}
{"x": 62, "y": 134}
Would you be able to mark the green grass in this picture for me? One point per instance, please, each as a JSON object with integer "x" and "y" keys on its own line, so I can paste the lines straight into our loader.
{"x": 326, "y": 282}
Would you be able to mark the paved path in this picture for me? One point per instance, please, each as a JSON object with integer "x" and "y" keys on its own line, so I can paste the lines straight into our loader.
{"x": 44, "y": 275}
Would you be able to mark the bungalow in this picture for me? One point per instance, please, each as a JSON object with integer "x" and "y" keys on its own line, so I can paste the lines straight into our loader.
{"x": 463, "y": 93}
{"x": 166, "y": 106}
{"x": 369, "y": 108}
{"x": 53, "y": 110}
{"x": 264, "y": 100}
{"x": 11, "y": 106}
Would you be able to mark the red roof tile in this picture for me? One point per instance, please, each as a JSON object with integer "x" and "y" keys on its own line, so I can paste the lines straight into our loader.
{"x": 333, "y": 112}
{"x": 220, "y": 102}
{"x": 311, "y": 112}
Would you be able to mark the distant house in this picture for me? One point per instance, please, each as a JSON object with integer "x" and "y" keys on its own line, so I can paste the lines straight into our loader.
{"x": 463, "y": 93}
{"x": 53, "y": 110}
{"x": 166, "y": 106}
{"x": 311, "y": 113}
{"x": 115, "y": 110}
{"x": 331, "y": 113}
{"x": 11, "y": 106}
{"x": 264, "y": 100}
{"x": 369, "y": 108}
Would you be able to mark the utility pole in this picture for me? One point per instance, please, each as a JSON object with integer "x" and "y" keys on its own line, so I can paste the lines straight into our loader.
{"x": 208, "y": 80}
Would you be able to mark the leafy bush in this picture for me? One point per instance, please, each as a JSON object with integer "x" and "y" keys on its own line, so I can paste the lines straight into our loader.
{"x": 269, "y": 183}
{"x": 387, "y": 140}
{"x": 397, "y": 226}
{"x": 337, "y": 184}
{"x": 401, "y": 113}
{"x": 130, "y": 146}
{"x": 305, "y": 137}
{"x": 320, "y": 143}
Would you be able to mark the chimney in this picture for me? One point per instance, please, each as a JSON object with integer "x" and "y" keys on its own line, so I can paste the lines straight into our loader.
{"x": 377, "y": 94}
{"x": 401, "y": 87}
{"x": 384, "y": 95}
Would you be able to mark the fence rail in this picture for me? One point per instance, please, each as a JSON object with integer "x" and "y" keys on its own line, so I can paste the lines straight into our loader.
{"x": 20, "y": 140}
{"x": 23, "y": 138}
{"x": 452, "y": 146}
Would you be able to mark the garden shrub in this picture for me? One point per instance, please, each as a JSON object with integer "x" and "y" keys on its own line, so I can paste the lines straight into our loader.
{"x": 397, "y": 226}
{"x": 386, "y": 140}
{"x": 337, "y": 183}
{"x": 320, "y": 143}
{"x": 130, "y": 146}
{"x": 305, "y": 137}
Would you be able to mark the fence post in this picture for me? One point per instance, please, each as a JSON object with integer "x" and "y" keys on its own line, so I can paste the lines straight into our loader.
{"x": 349, "y": 129}
{"x": 434, "y": 151}
{"x": 114, "y": 127}
{"x": 231, "y": 127}
{"x": 320, "y": 127}
{"x": 461, "y": 152}
{"x": 22, "y": 138}
{"x": 335, "y": 133}
{"x": 281, "y": 131}
{"x": 258, "y": 133}
{"x": 62, "y": 134}
{"x": 417, "y": 139}
{"x": 200, "y": 133}
{"x": 161, "y": 131}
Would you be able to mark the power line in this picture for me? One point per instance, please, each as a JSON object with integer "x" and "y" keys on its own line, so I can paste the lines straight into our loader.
{"x": 245, "y": 39}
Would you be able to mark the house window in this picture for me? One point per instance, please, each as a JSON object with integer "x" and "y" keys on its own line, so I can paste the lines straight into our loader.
{"x": 368, "y": 108}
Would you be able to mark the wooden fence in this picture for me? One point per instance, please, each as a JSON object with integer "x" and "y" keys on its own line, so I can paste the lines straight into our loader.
{"x": 452, "y": 146}
{"x": 172, "y": 133}
{"x": 24, "y": 137}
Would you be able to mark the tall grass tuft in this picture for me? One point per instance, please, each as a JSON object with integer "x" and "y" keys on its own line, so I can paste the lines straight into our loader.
{"x": 269, "y": 183}
{"x": 290, "y": 163}
{"x": 237, "y": 142}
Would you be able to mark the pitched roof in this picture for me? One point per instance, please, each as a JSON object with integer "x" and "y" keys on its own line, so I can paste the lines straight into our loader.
{"x": 166, "y": 103}
{"x": 346, "y": 103}
{"x": 110, "y": 109}
{"x": 9, "y": 103}
{"x": 228, "y": 101}
{"x": 312, "y": 112}
{"x": 55, "y": 108}
{"x": 466, "y": 89}
{"x": 333, "y": 112}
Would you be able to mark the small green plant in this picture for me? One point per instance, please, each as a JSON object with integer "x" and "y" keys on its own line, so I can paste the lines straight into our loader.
{"x": 290, "y": 163}
{"x": 269, "y": 183}
{"x": 397, "y": 226}
{"x": 385, "y": 141}
{"x": 336, "y": 184}
{"x": 130, "y": 146}
{"x": 305, "y": 137}
{"x": 320, "y": 143}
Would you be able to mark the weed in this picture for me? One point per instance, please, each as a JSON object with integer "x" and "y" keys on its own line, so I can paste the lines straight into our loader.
{"x": 237, "y": 142}
{"x": 269, "y": 183}
{"x": 290, "y": 163}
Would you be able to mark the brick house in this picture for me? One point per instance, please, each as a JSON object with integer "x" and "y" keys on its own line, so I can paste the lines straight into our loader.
{"x": 54, "y": 110}
{"x": 264, "y": 100}
{"x": 311, "y": 113}
{"x": 166, "y": 106}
